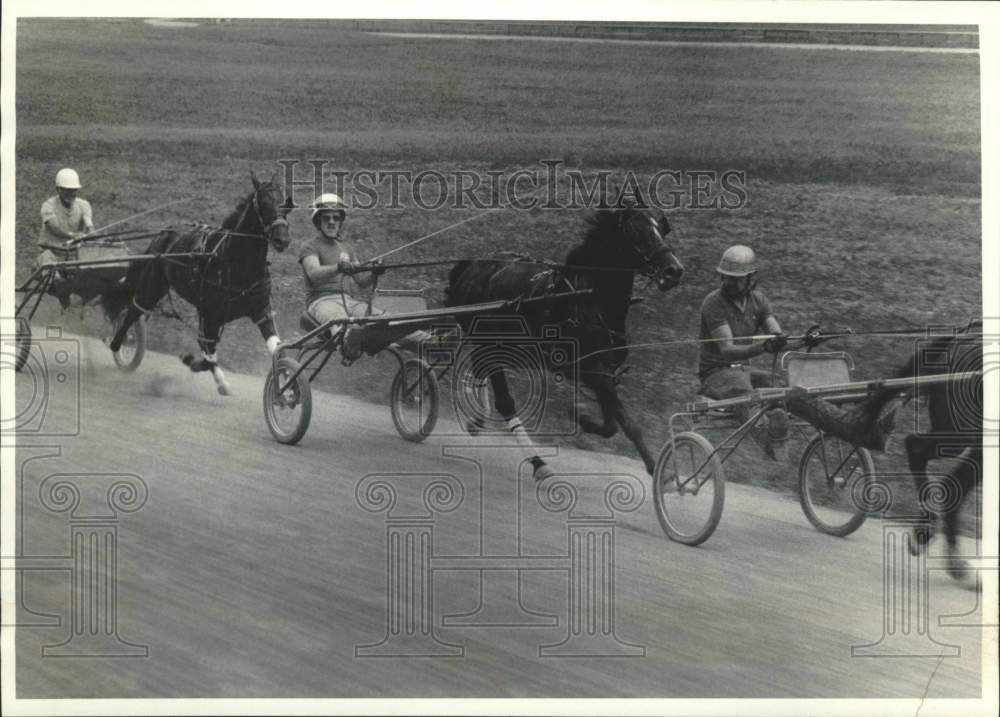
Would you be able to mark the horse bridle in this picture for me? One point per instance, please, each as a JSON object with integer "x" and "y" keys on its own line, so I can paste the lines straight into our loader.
{"x": 279, "y": 220}
{"x": 647, "y": 267}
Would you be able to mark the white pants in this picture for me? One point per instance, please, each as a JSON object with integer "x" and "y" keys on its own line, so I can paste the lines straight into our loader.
{"x": 338, "y": 306}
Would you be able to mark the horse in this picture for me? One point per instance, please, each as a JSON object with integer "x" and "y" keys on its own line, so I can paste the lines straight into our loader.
{"x": 619, "y": 242}
{"x": 955, "y": 409}
{"x": 221, "y": 272}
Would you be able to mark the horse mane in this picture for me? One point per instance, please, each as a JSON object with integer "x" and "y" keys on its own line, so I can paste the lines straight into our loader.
{"x": 453, "y": 275}
{"x": 233, "y": 218}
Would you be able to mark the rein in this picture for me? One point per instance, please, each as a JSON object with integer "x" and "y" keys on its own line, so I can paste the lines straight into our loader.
{"x": 825, "y": 337}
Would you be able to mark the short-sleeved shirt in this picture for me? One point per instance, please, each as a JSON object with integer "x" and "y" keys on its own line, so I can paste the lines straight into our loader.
{"x": 77, "y": 218}
{"x": 716, "y": 311}
{"x": 329, "y": 253}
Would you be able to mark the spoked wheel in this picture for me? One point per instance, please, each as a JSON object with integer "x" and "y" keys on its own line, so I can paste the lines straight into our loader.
{"x": 831, "y": 472}
{"x": 689, "y": 489}
{"x": 22, "y": 344}
{"x": 413, "y": 400}
{"x": 129, "y": 354}
{"x": 287, "y": 413}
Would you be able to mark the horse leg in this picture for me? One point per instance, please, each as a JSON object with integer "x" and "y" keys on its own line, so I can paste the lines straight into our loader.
{"x": 918, "y": 452}
{"x": 476, "y": 392}
{"x": 211, "y": 331}
{"x": 265, "y": 323}
{"x": 607, "y": 399}
{"x": 965, "y": 477}
{"x": 634, "y": 433}
{"x": 504, "y": 403}
{"x": 151, "y": 286}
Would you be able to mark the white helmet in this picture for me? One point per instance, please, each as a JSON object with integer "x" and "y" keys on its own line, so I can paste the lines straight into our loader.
{"x": 68, "y": 179}
{"x": 327, "y": 202}
{"x": 738, "y": 260}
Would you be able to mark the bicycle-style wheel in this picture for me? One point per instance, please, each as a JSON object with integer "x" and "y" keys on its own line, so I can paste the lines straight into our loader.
{"x": 22, "y": 344}
{"x": 831, "y": 472}
{"x": 287, "y": 413}
{"x": 413, "y": 400}
{"x": 129, "y": 354}
{"x": 689, "y": 489}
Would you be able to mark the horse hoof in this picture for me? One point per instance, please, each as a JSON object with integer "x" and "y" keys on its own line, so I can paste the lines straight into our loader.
{"x": 187, "y": 360}
{"x": 224, "y": 390}
{"x": 543, "y": 472}
{"x": 918, "y": 542}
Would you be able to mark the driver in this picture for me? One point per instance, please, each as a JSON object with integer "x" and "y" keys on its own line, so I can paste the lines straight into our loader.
{"x": 730, "y": 316}
{"x": 333, "y": 275}
{"x": 65, "y": 217}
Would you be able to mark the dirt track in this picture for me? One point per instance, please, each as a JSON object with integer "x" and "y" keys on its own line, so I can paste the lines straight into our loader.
{"x": 252, "y": 570}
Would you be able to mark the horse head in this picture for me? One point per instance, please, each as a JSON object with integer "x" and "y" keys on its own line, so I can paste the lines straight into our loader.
{"x": 271, "y": 207}
{"x": 643, "y": 232}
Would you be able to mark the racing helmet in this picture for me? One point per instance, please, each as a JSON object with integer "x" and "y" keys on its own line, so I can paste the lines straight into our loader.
{"x": 68, "y": 179}
{"x": 325, "y": 203}
{"x": 738, "y": 260}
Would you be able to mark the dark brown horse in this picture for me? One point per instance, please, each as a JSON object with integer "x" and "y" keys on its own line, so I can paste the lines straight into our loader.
{"x": 619, "y": 243}
{"x": 221, "y": 272}
{"x": 956, "y": 416}
{"x": 955, "y": 409}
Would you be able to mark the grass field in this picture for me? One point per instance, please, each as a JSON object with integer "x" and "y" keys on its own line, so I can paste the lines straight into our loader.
{"x": 863, "y": 168}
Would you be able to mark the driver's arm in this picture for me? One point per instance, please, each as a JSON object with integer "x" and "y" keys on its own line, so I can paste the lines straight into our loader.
{"x": 57, "y": 232}
{"x": 315, "y": 271}
{"x": 734, "y": 352}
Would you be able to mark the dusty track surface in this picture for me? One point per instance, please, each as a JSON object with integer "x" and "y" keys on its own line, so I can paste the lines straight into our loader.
{"x": 253, "y": 571}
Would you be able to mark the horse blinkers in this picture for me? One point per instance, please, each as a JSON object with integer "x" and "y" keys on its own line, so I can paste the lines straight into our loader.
{"x": 276, "y": 231}
{"x": 660, "y": 264}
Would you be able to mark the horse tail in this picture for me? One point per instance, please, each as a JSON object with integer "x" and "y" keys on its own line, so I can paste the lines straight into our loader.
{"x": 450, "y": 293}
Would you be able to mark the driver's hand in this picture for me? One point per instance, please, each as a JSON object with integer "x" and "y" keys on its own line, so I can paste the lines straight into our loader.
{"x": 774, "y": 344}
{"x": 812, "y": 337}
{"x": 346, "y": 268}
{"x": 377, "y": 267}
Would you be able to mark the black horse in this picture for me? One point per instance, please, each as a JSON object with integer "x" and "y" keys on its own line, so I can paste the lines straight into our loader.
{"x": 956, "y": 417}
{"x": 619, "y": 243}
{"x": 955, "y": 409}
{"x": 221, "y": 272}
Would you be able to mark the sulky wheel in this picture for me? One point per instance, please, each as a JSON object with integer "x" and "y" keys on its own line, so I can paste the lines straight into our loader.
{"x": 689, "y": 489}
{"x": 287, "y": 413}
{"x": 413, "y": 400}
{"x": 129, "y": 354}
{"x": 830, "y": 473}
{"x": 22, "y": 344}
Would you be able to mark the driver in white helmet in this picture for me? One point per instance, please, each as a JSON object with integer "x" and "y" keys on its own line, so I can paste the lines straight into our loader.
{"x": 733, "y": 313}
{"x": 330, "y": 264}
{"x": 331, "y": 269}
{"x": 65, "y": 217}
